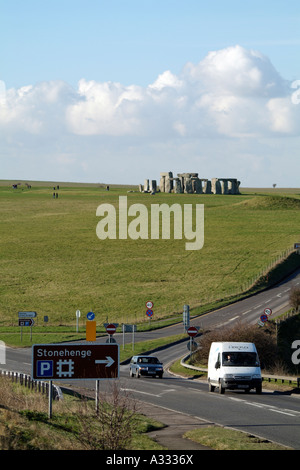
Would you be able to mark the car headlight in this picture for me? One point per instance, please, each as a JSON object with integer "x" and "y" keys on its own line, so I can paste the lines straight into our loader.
{"x": 256, "y": 376}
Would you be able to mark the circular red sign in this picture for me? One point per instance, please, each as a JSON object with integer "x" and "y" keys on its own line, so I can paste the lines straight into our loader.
{"x": 192, "y": 331}
{"x": 110, "y": 329}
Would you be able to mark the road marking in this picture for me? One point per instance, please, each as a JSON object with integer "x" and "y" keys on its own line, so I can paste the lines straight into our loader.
{"x": 257, "y": 306}
{"x": 159, "y": 395}
{"x": 247, "y": 311}
{"x": 284, "y": 411}
{"x": 234, "y": 318}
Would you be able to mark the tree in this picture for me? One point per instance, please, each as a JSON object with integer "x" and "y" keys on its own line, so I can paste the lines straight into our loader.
{"x": 295, "y": 298}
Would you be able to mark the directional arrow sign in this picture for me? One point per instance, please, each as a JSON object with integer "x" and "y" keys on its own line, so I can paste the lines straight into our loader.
{"x": 108, "y": 361}
{"x": 26, "y": 322}
{"x": 75, "y": 361}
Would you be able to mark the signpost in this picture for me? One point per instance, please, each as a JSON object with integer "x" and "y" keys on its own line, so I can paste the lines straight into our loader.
{"x": 74, "y": 361}
{"x": 78, "y": 313}
{"x": 264, "y": 317}
{"x": 27, "y": 314}
{"x": 186, "y": 316}
{"x": 111, "y": 329}
{"x": 149, "y": 311}
{"x": 192, "y": 331}
{"x": 26, "y": 319}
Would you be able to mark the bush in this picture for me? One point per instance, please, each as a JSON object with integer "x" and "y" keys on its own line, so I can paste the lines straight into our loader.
{"x": 263, "y": 338}
{"x": 295, "y": 298}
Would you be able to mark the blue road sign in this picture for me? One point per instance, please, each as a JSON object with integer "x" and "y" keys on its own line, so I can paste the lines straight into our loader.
{"x": 90, "y": 316}
{"x": 44, "y": 369}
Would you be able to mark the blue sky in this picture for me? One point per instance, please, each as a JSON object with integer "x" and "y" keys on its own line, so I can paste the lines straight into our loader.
{"x": 127, "y": 67}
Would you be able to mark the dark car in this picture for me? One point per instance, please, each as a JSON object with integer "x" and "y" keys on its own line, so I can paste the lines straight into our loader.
{"x": 145, "y": 365}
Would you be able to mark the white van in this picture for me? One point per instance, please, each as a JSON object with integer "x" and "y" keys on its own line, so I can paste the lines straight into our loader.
{"x": 234, "y": 366}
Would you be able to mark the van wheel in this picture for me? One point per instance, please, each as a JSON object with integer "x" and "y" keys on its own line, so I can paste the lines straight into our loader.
{"x": 211, "y": 388}
{"x": 221, "y": 389}
{"x": 258, "y": 389}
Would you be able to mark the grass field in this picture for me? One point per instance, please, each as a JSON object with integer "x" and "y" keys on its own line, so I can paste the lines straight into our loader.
{"x": 53, "y": 263}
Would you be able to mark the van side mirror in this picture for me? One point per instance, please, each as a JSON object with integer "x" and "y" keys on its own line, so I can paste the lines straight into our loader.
{"x": 217, "y": 365}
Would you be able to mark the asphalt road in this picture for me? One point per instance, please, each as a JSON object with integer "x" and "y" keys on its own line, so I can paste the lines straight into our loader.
{"x": 273, "y": 416}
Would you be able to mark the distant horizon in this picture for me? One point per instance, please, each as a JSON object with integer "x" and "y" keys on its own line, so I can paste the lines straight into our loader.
{"x": 24, "y": 180}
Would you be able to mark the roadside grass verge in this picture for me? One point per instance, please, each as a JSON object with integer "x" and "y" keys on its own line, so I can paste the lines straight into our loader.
{"x": 219, "y": 438}
{"x": 24, "y": 423}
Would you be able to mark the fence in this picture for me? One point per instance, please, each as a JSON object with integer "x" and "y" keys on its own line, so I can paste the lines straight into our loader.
{"x": 36, "y": 385}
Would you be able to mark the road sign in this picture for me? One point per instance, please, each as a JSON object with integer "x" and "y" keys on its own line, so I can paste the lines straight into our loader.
{"x": 149, "y": 313}
{"x": 149, "y": 304}
{"x": 268, "y": 311}
{"x": 26, "y": 322}
{"x": 75, "y": 361}
{"x": 192, "y": 331}
{"x": 110, "y": 328}
{"x": 264, "y": 318}
{"x": 186, "y": 316}
{"x": 90, "y": 316}
{"x": 27, "y": 314}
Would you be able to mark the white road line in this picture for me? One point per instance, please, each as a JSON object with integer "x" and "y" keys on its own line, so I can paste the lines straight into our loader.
{"x": 247, "y": 311}
{"x": 159, "y": 395}
{"x": 234, "y": 318}
{"x": 268, "y": 407}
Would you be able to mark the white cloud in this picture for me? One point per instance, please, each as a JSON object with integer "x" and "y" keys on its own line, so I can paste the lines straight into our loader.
{"x": 233, "y": 93}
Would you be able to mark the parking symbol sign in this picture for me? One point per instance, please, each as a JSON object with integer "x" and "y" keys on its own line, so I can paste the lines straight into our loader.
{"x": 45, "y": 368}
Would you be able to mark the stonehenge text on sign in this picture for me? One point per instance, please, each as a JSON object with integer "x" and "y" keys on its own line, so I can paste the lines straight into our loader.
{"x": 75, "y": 361}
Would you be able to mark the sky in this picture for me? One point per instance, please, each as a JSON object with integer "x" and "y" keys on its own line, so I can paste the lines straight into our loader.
{"x": 118, "y": 91}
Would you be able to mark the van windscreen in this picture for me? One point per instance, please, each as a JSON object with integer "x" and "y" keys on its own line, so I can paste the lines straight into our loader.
{"x": 239, "y": 359}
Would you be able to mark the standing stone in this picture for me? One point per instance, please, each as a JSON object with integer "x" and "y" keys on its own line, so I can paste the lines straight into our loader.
{"x": 146, "y": 186}
{"x": 153, "y": 186}
{"x": 197, "y": 185}
{"x": 188, "y": 187}
{"x": 177, "y": 185}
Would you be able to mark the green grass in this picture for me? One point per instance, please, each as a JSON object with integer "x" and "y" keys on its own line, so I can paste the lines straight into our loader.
{"x": 219, "y": 438}
{"x": 74, "y": 425}
{"x": 52, "y": 262}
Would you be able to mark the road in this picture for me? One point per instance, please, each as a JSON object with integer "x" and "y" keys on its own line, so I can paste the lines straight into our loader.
{"x": 273, "y": 416}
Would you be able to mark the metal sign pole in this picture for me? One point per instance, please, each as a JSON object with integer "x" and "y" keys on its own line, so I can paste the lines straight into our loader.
{"x": 50, "y": 400}
{"x": 132, "y": 337}
{"x": 97, "y": 396}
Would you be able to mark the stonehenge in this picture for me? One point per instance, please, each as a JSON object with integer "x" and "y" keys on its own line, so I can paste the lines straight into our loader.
{"x": 190, "y": 183}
